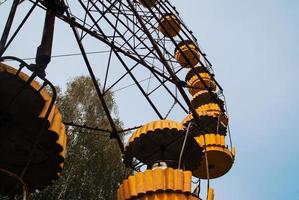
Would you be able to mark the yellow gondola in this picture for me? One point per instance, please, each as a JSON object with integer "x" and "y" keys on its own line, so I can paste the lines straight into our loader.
{"x": 194, "y": 83}
{"x": 212, "y": 120}
{"x": 220, "y": 159}
{"x": 187, "y": 54}
{"x": 150, "y": 144}
{"x": 167, "y": 184}
{"x": 211, "y": 134}
{"x": 169, "y": 25}
{"x": 21, "y": 126}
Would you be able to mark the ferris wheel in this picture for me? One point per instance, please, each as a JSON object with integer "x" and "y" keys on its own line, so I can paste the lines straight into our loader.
{"x": 147, "y": 45}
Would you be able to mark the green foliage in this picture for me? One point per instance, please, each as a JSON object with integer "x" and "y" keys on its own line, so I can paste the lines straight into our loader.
{"x": 93, "y": 168}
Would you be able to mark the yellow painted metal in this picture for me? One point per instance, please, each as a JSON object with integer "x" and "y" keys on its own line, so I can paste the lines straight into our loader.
{"x": 211, "y": 140}
{"x": 168, "y": 196}
{"x": 169, "y": 178}
{"x": 55, "y": 119}
{"x": 132, "y": 186}
{"x": 187, "y": 180}
{"x": 149, "y": 181}
{"x": 126, "y": 189}
{"x": 148, "y": 3}
{"x": 55, "y": 125}
{"x": 150, "y": 140}
{"x": 211, "y": 194}
{"x": 206, "y": 97}
{"x": 196, "y": 85}
{"x": 178, "y": 180}
{"x": 154, "y": 126}
{"x": 187, "y": 54}
{"x": 62, "y": 141}
{"x": 45, "y": 109}
{"x": 220, "y": 160}
{"x": 210, "y": 107}
{"x": 169, "y": 25}
{"x": 234, "y": 151}
{"x": 141, "y": 185}
{"x": 211, "y": 110}
{"x": 199, "y": 93}
{"x": 157, "y": 181}
{"x": 158, "y": 174}
{"x": 219, "y": 157}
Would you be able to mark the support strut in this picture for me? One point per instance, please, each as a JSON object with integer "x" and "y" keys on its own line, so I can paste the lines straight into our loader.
{"x": 8, "y": 26}
{"x": 44, "y": 51}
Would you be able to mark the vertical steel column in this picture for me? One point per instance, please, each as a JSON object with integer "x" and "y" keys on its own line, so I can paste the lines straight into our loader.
{"x": 44, "y": 51}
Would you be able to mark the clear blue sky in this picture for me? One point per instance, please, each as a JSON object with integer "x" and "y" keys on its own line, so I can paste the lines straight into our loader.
{"x": 253, "y": 46}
